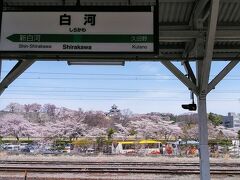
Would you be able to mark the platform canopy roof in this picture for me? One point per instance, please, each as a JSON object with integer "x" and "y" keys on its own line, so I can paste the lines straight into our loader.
{"x": 183, "y": 24}
{"x": 200, "y": 30}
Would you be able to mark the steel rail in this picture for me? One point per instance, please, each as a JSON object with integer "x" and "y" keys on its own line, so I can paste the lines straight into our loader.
{"x": 114, "y": 163}
{"x": 145, "y": 170}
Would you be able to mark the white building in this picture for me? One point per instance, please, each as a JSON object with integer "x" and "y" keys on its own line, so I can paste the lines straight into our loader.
{"x": 232, "y": 120}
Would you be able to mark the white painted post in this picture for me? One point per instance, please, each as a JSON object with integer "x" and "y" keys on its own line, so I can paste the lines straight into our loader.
{"x": 203, "y": 139}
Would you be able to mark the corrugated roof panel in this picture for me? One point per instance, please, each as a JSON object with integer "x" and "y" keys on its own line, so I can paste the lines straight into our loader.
{"x": 82, "y": 2}
{"x": 188, "y": 12}
{"x": 170, "y": 11}
{"x": 34, "y": 2}
{"x": 171, "y": 47}
{"x": 104, "y": 2}
{"x": 223, "y": 46}
{"x": 178, "y": 12}
{"x": 143, "y": 2}
{"x": 232, "y": 16}
{"x": 117, "y": 2}
{"x": 227, "y": 43}
{"x": 175, "y": 12}
{"x": 229, "y": 11}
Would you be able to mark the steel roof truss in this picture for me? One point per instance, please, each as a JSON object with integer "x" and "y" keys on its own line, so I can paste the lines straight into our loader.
{"x": 196, "y": 22}
{"x": 180, "y": 76}
{"x": 16, "y": 71}
{"x": 196, "y": 18}
{"x": 209, "y": 47}
{"x": 189, "y": 71}
{"x": 221, "y": 75}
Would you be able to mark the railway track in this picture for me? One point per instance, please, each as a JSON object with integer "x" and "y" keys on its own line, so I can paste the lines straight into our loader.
{"x": 117, "y": 170}
{"x": 115, "y": 163}
{"x": 116, "y": 167}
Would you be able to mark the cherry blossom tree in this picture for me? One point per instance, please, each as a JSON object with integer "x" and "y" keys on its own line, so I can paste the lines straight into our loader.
{"x": 32, "y": 112}
{"x": 228, "y": 133}
{"x": 121, "y": 131}
{"x": 49, "y": 109}
{"x": 125, "y": 116}
{"x": 154, "y": 126}
{"x": 27, "y": 107}
{"x": 187, "y": 119}
{"x": 97, "y": 119}
{"x": 32, "y": 108}
{"x": 96, "y": 132}
{"x": 192, "y": 133}
{"x": 67, "y": 128}
{"x": 14, "y": 108}
{"x": 16, "y": 126}
{"x": 54, "y": 122}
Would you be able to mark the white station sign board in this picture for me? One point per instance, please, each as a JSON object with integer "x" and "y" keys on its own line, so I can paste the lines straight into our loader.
{"x": 71, "y": 31}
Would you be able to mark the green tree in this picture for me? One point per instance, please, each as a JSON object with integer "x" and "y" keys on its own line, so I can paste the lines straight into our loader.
{"x": 83, "y": 143}
{"x": 110, "y": 133}
{"x": 239, "y": 134}
{"x": 100, "y": 143}
{"x": 215, "y": 119}
{"x": 132, "y": 132}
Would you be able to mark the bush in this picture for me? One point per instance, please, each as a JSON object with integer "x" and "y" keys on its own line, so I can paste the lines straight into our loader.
{"x": 83, "y": 142}
{"x": 61, "y": 142}
{"x": 222, "y": 142}
{"x": 26, "y": 141}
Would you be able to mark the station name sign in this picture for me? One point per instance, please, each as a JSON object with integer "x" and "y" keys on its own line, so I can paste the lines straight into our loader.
{"x": 126, "y": 31}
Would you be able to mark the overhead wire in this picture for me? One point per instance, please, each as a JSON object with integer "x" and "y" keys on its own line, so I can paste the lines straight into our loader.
{"x": 104, "y": 90}
{"x": 107, "y": 99}
{"x": 112, "y": 91}
{"x": 108, "y": 79}
{"x": 102, "y": 74}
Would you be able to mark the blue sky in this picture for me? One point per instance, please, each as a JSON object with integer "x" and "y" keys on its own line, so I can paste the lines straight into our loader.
{"x": 140, "y": 86}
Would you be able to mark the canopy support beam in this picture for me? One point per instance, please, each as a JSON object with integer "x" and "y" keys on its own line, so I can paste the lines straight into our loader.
{"x": 16, "y": 71}
{"x": 190, "y": 72}
{"x": 221, "y": 75}
{"x": 180, "y": 76}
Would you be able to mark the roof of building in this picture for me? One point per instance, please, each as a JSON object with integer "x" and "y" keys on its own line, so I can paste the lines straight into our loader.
{"x": 149, "y": 141}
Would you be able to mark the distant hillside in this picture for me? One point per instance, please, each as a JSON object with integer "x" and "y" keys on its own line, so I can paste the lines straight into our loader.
{"x": 35, "y": 120}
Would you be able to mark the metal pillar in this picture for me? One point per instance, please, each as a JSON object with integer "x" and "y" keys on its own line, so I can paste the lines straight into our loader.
{"x": 201, "y": 94}
{"x": 203, "y": 138}
{"x": 203, "y": 71}
{"x": 0, "y": 70}
{"x": 203, "y": 118}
